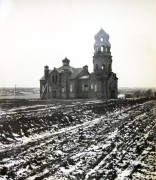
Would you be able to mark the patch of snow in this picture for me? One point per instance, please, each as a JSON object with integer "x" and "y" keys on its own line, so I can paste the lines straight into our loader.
{"x": 124, "y": 174}
{"x": 67, "y": 171}
{"x": 38, "y": 175}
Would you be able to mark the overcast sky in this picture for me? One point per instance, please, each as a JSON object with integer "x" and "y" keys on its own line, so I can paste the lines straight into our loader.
{"x": 35, "y": 33}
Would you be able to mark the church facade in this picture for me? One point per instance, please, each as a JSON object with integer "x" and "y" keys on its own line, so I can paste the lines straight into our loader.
{"x": 67, "y": 82}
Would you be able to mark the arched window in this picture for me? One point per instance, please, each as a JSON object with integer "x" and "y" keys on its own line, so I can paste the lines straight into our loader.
{"x": 95, "y": 87}
{"x": 71, "y": 88}
{"x": 85, "y": 87}
{"x": 103, "y": 66}
{"x": 102, "y": 49}
{"x": 49, "y": 88}
{"x": 101, "y": 39}
{"x": 62, "y": 88}
{"x": 42, "y": 89}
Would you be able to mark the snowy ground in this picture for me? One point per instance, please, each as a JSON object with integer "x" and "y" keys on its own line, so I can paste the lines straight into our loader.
{"x": 89, "y": 140}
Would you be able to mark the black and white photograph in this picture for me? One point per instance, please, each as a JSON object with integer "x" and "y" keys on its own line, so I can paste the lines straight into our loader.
{"x": 77, "y": 89}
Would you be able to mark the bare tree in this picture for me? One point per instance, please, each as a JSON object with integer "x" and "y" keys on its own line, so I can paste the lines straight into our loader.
{"x": 149, "y": 93}
{"x": 137, "y": 93}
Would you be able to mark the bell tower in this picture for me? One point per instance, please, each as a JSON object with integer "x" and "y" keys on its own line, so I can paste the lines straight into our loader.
{"x": 102, "y": 59}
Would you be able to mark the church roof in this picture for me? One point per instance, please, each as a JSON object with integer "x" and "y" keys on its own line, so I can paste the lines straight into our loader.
{"x": 102, "y": 32}
{"x": 101, "y": 39}
{"x": 75, "y": 72}
{"x": 42, "y": 79}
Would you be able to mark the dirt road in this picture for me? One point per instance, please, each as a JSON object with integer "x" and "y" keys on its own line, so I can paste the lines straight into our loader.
{"x": 93, "y": 140}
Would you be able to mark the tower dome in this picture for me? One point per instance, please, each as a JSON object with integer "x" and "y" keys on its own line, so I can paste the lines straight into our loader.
{"x": 102, "y": 41}
{"x": 65, "y": 62}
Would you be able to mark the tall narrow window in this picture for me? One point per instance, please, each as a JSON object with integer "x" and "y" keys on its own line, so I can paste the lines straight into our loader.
{"x": 42, "y": 88}
{"x": 49, "y": 88}
{"x": 103, "y": 66}
{"x": 62, "y": 88}
{"x": 95, "y": 87}
{"x": 96, "y": 66}
{"x": 92, "y": 86}
{"x": 102, "y": 48}
{"x": 85, "y": 87}
{"x": 71, "y": 88}
{"x": 101, "y": 39}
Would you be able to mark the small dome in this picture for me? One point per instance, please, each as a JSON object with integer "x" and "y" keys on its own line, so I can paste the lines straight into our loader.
{"x": 65, "y": 62}
{"x": 46, "y": 67}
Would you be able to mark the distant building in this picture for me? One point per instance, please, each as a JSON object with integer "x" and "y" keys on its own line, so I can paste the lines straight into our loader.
{"x": 68, "y": 82}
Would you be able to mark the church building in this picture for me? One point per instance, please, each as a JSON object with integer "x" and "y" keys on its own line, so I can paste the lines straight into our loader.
{"x": 67, "y": 82}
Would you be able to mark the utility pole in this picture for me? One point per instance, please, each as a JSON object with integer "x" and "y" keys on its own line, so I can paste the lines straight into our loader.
{"x": 47, "y": 90}
{"x": 47, "y": 95}
{"x": 15, "y": 91}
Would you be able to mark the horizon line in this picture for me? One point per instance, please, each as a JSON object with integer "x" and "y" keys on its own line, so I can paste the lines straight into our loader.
{"x": 152, "y": 87}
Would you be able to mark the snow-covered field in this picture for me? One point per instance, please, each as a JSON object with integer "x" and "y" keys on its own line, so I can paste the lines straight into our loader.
{"x": 89, "y": 140}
